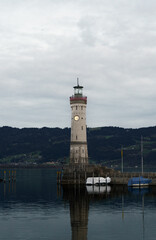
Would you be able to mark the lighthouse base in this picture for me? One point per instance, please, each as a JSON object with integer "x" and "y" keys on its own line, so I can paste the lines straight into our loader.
{"x": 78, "y": 153}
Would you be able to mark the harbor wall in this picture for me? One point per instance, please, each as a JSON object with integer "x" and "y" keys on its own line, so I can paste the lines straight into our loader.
{"x": 73, "y": 174}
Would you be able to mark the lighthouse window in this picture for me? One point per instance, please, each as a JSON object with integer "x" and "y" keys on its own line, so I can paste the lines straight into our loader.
{"x": 81, "y": 107}
{"x": 82, "y": 128}
{"x": 76, "y": 137}
{"x": 76, "y": 107}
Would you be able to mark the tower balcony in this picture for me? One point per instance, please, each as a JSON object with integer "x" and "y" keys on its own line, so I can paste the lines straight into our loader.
{"x": 78, "y": 99}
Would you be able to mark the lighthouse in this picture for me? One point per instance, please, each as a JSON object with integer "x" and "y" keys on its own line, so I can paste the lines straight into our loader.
{"x": 78, "y": 142}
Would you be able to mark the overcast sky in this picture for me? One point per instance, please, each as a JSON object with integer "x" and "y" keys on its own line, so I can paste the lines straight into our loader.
{"x": 46, "y": 44}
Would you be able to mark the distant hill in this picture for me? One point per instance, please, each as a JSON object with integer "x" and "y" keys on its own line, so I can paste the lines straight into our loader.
{"x": 33, "y": 145}
{"x": 105, "y": 145}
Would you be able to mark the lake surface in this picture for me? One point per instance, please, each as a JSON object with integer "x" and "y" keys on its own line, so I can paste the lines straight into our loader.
{"x": 34, "y": 207}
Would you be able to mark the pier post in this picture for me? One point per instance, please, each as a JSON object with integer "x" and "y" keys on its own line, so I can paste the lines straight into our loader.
{"x": 9, "y": 175}
{"x": 79, "y": 178}
{"x": 85, "y": 176}
{"x": 58, "y": 177}
{"x": 4, "y": 176}
{"x": 74, "y": 177}
{"x": 14, "y": 176}
{"x": 93, "y": 179}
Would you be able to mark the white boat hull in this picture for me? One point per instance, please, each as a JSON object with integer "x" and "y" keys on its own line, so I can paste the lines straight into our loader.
{"x": 98, "y": 181}
{"x": 93, "y": 189}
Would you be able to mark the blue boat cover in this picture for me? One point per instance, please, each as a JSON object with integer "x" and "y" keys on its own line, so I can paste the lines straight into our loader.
{"x": 139, "y": 181}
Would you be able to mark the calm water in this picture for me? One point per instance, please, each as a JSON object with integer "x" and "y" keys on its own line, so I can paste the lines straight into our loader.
{"x": 34, "y": 208}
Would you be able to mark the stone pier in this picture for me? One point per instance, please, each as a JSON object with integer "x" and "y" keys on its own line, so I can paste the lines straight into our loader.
{"x": 77, "y": 174}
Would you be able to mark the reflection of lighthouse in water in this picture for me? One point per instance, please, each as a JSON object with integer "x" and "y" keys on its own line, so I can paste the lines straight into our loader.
{"x": 79, "y": 198}
{"x": 79, "y": 208}
{"x": 79, "y": 219}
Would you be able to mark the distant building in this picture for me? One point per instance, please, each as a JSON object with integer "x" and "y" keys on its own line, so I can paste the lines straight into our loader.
{"x": 78, "y": 143}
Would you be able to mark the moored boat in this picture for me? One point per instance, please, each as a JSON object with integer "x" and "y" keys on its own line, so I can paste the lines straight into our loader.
{"x": 98, "y": 180}
{"x": 93, "y": 189}
{"x": 139, "y": 182}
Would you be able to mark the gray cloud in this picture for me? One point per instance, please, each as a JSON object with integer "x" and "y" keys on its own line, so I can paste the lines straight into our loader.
{"x": 45, "y": 46}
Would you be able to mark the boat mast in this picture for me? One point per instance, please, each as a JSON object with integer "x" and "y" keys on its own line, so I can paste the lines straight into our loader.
{"x": 142, "y": 164}
{"x": 122, "y": 159}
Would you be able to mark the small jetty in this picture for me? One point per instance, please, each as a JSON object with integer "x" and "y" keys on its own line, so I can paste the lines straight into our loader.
{"x": 77, "y": 174}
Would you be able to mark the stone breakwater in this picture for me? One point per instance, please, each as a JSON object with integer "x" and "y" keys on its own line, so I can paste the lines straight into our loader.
{"x": 72, "y": 174}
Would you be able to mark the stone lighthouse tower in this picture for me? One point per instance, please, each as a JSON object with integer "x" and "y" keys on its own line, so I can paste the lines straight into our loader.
{"x": 78, "y": 143}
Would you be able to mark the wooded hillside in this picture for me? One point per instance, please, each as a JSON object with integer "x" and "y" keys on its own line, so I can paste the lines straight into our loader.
{"x": 52, "y": 144}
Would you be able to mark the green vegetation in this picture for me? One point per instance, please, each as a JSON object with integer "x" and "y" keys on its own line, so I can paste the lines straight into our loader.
{"x": 33, "y": 145}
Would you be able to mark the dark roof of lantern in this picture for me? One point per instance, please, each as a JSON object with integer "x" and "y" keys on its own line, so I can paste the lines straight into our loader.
{"x": 78, "y": 86}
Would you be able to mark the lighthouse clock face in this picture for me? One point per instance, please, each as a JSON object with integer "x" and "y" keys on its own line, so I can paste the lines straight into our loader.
{"x": 76, "y": 118}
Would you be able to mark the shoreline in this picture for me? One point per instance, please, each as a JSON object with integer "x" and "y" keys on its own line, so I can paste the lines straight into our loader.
{"x": 13, "y": 166}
